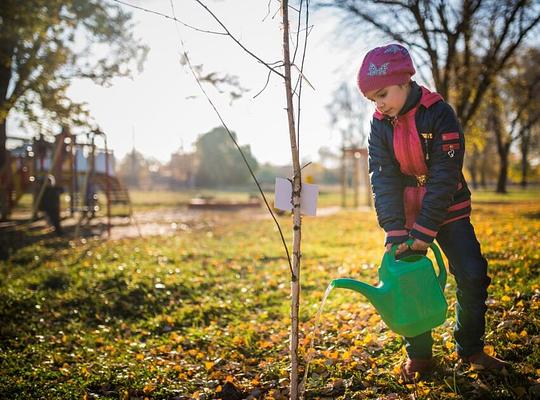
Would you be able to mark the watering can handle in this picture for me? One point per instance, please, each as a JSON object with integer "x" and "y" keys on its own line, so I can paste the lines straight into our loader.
{"x": 442, "y": 269}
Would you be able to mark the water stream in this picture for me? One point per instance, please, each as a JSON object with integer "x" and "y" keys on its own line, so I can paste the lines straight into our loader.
{"x": 309, "y": 356}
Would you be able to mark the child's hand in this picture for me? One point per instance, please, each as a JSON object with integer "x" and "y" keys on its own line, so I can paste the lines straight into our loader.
{"x": 400, "y": 249}
{"x": 418, "y": 245}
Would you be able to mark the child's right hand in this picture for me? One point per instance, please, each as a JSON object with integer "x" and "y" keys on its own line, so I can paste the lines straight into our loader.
{"x": 400, "y": 249}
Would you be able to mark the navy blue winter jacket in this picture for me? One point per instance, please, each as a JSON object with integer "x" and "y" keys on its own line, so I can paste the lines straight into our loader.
{"x": 418, "y": 205}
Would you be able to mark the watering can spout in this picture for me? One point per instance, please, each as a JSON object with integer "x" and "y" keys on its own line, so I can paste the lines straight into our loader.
{"x": 373, "y": 293}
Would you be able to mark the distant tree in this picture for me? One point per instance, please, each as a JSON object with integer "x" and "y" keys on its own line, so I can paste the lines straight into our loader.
{"x": 44, "y": 44}
{"x": 514, "y": 109}
{"x": 134, "y": 169}
{"x": 348, "y": 112}
{"x": 529, "y": 143}
{"x": 464, "y": 44}
{"x": 523, "y": 82}
{"x": 328, "y": 157}
{"x": 267, "y": 173}
{"x": 182, "y": 168}
{"x": 219, "y": 162}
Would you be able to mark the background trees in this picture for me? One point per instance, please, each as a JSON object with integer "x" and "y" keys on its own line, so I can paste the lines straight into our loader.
{"x": 44, "y": 44}
{"x": 220, "y": 163}
{"x": 462, "y": 47}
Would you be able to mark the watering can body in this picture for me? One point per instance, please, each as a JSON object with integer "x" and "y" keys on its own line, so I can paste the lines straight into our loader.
{"x": 410, "y": 296}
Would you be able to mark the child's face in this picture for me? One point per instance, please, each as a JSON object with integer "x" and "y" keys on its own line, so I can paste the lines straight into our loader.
{"x": 390, "y": 99}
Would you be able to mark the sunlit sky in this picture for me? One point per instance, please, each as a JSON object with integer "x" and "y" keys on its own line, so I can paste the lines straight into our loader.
{"x": 156, "y": 111}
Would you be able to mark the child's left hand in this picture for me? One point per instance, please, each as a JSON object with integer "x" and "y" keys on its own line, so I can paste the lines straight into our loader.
{"x": 419, "y": 245}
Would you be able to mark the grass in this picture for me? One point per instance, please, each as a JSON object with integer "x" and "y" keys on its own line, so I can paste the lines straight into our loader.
{"x": 328, "y": 196}
{"x": 205, "y": 314}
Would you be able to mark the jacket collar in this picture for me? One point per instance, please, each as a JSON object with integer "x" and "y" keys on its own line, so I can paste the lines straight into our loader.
{"x": 415, "y": 94}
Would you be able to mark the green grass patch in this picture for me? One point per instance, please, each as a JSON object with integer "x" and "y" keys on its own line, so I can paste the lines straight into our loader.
{"x": 205, "y": 314}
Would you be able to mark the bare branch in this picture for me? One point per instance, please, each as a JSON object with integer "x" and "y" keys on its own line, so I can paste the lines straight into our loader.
{"x": 494, "y": 67}
{"x": 168, "y": 17}
{"x": 265, "y": 85}
{"x": 431, "y": 50}
{"x": 267, "y": 11}
{"x": 302, "y": 77}
{"x": 192, "y": 69}
{"x": 236, "y": 40}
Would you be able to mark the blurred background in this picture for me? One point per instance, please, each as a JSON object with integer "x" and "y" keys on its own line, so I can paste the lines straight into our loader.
{"x": 121, "y": 69}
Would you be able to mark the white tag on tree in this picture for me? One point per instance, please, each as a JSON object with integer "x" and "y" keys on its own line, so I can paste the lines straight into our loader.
{"x": 308, "y": 197}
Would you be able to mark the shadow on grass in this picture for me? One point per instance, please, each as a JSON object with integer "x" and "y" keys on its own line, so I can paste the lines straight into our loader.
{"x": 16, "y": 237}
{"x": 112, "y": 300}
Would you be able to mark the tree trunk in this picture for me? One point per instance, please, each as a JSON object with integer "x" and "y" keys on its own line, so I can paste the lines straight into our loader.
{"x": 6, "y": 54}
{"x": 524, "y": 155}
{"x": 4, "y": 193}
{"x": 503, "y": 168}
{"x": 473, "y": 167}
{"x": 484, "y": 167}
{"x": 297, "y": 220}
{"x": 3, "y": 151}
{"x": 503, "y": 146}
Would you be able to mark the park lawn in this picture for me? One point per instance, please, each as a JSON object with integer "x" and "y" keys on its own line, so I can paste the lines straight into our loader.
{"x": 329, "y": 195}
{"x": 145, "y": 200}
{"x": 205, "y": 314}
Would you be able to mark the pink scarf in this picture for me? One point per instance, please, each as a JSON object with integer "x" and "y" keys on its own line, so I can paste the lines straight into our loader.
{"x": 409, "y": 153}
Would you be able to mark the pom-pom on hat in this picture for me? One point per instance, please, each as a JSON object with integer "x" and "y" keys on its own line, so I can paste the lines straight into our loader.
{"x": 385, "y": 66}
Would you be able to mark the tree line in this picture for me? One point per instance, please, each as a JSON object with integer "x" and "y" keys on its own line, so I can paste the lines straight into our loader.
{"x": 480, "y": 55}
{"x": 215, "y": 163}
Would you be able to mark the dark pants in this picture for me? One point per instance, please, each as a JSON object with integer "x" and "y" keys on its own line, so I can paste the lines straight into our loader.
{"x": 458, "y": 242}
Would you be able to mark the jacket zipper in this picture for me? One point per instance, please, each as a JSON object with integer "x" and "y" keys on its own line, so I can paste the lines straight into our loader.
{"x": 426, "y": 136}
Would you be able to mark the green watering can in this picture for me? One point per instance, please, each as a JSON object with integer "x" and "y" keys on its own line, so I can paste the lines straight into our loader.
{"x": 409, "y": 296}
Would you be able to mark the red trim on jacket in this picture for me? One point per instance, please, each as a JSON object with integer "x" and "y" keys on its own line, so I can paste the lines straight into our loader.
{"x": 450, "y": 136}
{"x": 401, "y": 232}
{"x": 429, "y": 98}
{"x": 424, "y": 230}
{"x": 467, "y": 215}
{"x": 459, "y": 206}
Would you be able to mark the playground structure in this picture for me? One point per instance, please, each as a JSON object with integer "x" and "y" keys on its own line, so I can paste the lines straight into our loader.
{"x": 76, "y": 166}
{"x": 358, "y": 156}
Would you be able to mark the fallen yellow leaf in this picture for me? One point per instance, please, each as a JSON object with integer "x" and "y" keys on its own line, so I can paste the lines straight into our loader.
{"x": 149, "y": 388}
{"x": 490, "y": 350}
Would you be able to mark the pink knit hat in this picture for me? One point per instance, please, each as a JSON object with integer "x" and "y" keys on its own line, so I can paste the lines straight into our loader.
{"x": 385, "y": 66}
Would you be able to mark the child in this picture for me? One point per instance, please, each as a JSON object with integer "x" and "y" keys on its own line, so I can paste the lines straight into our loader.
{"x": 416, "y": 148}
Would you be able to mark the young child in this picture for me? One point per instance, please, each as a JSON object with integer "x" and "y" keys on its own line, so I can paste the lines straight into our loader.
{"x": 416, "y": 148}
